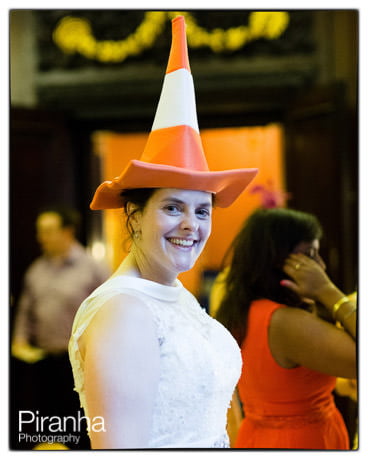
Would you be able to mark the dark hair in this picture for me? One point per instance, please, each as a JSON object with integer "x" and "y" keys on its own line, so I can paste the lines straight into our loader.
{"x": 139, "y": 197}
{"x": 69, "y": 217}
{"x": 258, "y": 252}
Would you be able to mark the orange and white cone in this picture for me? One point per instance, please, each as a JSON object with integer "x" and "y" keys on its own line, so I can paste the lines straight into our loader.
{"x": 175, "y": 138}
{"x": 173, "y": 156}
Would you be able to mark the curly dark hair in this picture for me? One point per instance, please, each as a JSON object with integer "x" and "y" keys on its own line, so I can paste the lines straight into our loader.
{"x": 138, "y": 197}
{"x": 258, "y": 253}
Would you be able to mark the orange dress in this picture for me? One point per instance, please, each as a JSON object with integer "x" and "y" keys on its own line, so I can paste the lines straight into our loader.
{"x": 284, "y": 408}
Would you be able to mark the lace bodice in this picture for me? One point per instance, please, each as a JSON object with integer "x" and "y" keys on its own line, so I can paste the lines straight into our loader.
{"x": 200, "y": 363}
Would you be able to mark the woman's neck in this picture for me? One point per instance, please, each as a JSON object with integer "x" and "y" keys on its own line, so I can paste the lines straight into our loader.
{"x": 130, "y": 266}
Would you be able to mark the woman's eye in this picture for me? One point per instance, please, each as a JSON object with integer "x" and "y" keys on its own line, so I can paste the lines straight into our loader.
{"x": 204, "y": 212}
{"x": 172, "y": 208}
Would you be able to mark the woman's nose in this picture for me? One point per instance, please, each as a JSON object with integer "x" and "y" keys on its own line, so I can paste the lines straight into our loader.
{"x": 319, "y": 259}
{"x": 189, "y": 222}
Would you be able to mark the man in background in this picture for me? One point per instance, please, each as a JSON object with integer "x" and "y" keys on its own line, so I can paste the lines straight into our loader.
{"x": 55, "y": 285}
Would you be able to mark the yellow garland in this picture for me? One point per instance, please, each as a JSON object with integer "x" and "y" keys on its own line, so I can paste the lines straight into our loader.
{"x": 74, "y": 35}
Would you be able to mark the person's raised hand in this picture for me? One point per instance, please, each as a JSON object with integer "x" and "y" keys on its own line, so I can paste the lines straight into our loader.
{"x": 308, "y": 277}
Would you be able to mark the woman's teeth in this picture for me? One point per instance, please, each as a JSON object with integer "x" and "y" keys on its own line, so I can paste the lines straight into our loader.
{"x": 180, "y": 242}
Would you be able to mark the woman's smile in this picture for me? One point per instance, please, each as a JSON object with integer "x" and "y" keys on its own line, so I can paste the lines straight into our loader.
{"x": 182, "y": 243}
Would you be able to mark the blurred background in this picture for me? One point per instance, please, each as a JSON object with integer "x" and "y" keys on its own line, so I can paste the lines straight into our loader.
{"x": 274, "y": 90}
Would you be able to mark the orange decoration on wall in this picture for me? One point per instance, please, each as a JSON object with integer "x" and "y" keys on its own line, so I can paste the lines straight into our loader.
{"x": 226, "y": 148}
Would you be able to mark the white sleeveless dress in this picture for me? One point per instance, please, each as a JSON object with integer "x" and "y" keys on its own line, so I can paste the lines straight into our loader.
{"x": 200, "y": 363}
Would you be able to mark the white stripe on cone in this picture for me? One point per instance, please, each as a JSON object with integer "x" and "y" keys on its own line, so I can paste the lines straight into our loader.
{"x": 177, "y": 104}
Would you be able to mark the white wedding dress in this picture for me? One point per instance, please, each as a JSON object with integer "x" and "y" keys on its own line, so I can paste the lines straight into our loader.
{"x": 200, "y": 363}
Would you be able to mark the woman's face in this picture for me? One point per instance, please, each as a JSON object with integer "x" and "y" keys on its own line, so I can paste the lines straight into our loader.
{"x": 173, "y": 229}
{"x": 310, "y": 249}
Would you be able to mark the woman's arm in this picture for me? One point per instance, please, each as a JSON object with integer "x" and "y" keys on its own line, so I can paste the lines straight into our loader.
{"x": 121, "y": 373}
{"x": 298, "y": 337}
{"x": 234, "y": 417}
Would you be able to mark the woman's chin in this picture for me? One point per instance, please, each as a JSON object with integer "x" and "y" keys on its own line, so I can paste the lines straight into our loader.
{"x": 182, "y": 268}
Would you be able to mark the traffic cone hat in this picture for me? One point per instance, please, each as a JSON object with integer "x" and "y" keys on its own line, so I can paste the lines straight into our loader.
{"x": 173, "y": 156}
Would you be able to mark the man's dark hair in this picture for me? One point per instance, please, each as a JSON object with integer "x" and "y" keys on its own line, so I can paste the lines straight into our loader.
{"x": 70, "y": 217}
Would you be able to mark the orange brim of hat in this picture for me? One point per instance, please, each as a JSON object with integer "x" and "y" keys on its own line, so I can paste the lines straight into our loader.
{"x": 226, "y": 185}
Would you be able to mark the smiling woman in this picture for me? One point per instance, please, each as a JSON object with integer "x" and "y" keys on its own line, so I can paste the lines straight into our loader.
{"x": 146, "y": 357}
{"x": 172, "y": 230}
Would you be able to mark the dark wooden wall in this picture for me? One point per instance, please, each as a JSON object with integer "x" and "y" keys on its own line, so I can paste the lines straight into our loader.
{"x": 42, "y": 172}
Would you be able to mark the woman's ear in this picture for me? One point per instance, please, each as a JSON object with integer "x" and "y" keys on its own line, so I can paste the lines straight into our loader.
{"x": 131, "y": 208}
{"x": 133, "y": 213}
